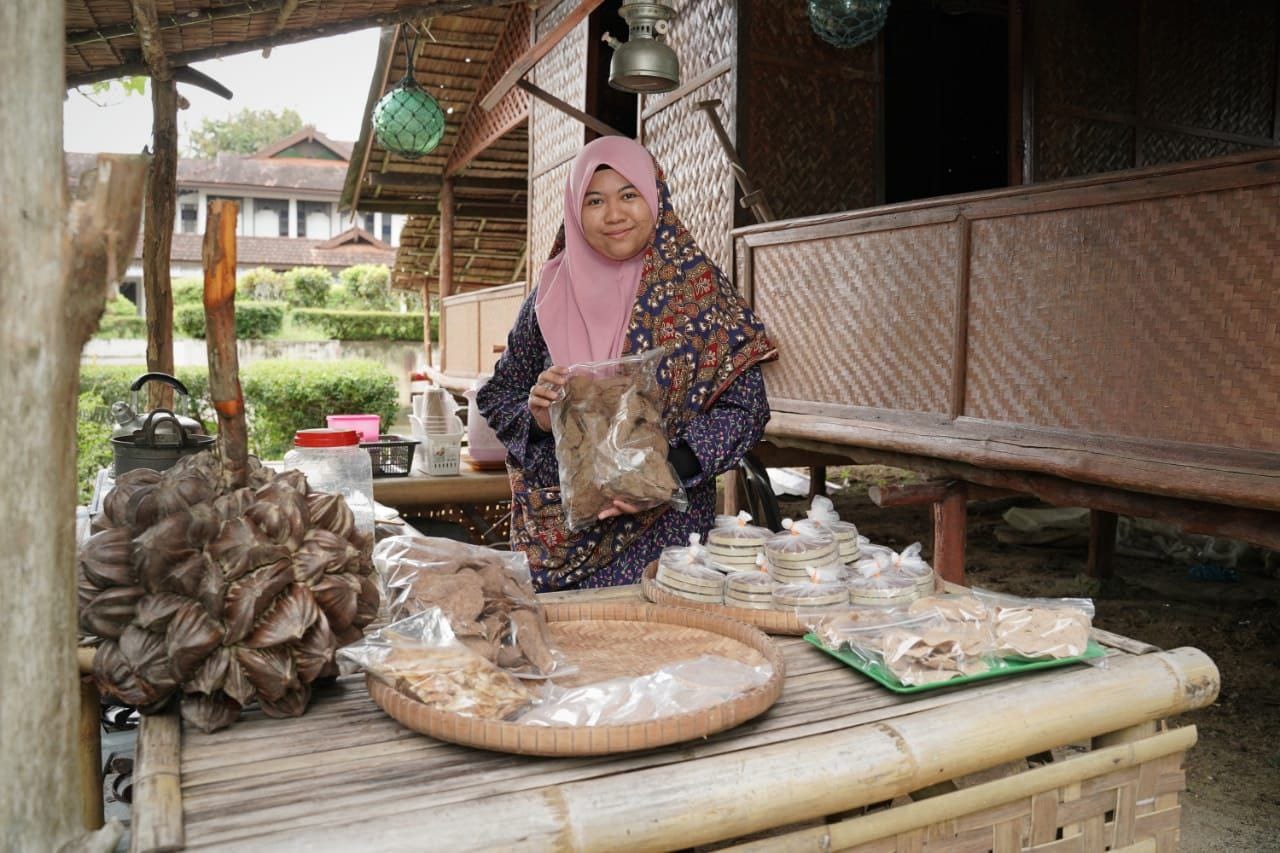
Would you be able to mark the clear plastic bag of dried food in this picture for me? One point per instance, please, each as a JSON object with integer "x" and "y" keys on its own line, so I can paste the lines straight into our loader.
{"x": 610, "y": 440}
{"x": 907, "y": 563}
{"x": 734, "y": 542}
{"x": 1039, "y": 628}
{"x": 486, "y": 595}
{"x": 421, "y": 658}
{"x": 797, "y": 549}
{"x": 873, "y": 582}
{"x": 922, "y": 649}
{"x": 675, "y": 688}
{"x": 689, "y": 573}
{"x": 836, "y": 628}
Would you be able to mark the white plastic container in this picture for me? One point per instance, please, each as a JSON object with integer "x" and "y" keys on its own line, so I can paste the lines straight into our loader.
{"x": 333, "y": 461}
{"x": 443, "y": 453}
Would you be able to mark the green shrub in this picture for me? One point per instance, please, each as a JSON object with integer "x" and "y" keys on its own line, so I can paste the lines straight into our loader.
{"x": 286, "y": 396}
{"x": 120, "y": 307}
{"x": 117, "y": 326}
{"x": 93, "y": 445}
{"x": 188, "y": 291}
{"x": 307, "y": 287}
{"x": 367, "y": 325}
{"x": 261, "y": 285}
{"x": 253, "y": 319}
{"x": 368, "y": 286}
{"x": 107, "y": 383}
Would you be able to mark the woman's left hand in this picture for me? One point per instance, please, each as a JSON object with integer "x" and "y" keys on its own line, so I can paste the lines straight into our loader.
{"x": 618, "y": 508}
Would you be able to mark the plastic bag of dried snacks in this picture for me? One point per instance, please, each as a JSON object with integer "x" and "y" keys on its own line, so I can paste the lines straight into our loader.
{"x": 823, "y": 511}
{"x": 922, "y": 649}
{"x": 1039, "y": 628}
{"x": 688, "y": 573}
{"x": 734, "y": 543}
{"x": 873, "y": 582}
{"x": 421, "y": 658}
{"x": 812, "y": 596}
{"x": 836, "y": 628}
{"x": 486, "y": 595}
{"x": 610, "y": 439}
{"x": 797, "y": 549}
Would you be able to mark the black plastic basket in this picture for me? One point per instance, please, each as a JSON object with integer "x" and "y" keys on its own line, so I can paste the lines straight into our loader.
{"x": 392, "y": 455}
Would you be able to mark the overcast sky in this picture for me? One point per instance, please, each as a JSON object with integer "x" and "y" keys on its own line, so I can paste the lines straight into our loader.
{"x": 325, "y": 80}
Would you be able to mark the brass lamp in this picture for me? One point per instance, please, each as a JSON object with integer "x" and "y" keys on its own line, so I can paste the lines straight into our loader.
{"x": 644, "y": 63}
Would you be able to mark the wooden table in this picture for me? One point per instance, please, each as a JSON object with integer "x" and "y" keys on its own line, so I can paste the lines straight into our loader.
{"x": 347, "y": 777}
{"x": 477, "y": 501}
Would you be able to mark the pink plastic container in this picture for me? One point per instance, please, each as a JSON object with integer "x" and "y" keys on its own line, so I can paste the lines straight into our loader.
{"x": 367, "y": 425}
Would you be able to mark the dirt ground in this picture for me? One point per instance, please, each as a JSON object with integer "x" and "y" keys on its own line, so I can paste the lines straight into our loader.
{"x": 1232, "y": 801}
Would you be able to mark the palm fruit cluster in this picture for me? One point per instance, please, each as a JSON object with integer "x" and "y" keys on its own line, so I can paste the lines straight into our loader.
{"x": 221, "y": 596}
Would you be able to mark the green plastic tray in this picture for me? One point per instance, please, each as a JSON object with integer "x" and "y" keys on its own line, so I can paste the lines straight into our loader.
{"x": 1006, "y": 667}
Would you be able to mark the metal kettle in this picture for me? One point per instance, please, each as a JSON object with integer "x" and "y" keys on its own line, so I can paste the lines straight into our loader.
{"x": 129, "y": 417}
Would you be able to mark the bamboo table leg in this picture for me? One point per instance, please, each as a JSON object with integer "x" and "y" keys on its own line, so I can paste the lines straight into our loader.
{"x": 949, "y": 521}
{"x": 729, "y": 496}
{"x": 89, "y": 735}
{"x": 1102, "y": 542}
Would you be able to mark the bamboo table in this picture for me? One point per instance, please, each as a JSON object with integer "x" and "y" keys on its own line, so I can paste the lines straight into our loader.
{"x": 346, "y": 777}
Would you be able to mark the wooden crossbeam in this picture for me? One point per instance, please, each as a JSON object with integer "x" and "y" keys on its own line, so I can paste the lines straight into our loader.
{"x": 524, "y": 63}
{"x": 568, "y": 109}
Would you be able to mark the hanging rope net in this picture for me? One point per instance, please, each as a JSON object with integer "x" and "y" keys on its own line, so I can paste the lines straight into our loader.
{"x": 408, "y": 121}
{"x": 847, "y": 23}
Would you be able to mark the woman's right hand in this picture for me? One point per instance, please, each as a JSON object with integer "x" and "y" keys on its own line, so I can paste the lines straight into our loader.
{"x": 548, "y": 389}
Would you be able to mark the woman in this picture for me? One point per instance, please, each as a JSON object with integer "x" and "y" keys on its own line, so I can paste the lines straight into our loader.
{"x": 624, "y": 277}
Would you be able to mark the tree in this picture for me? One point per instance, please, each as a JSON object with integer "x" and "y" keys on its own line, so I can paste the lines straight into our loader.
{"x": 242, "y": 133}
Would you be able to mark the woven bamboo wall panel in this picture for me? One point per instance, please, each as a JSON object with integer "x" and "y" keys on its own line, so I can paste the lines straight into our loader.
{"x": 1167, "y": 147}
{"x": 546, "y": 211}
{"x": 1152, "y": 319}
{"x": 1211, "y": 65}
{"x": 701, "y": 35}
{"x": 1105, "y": 812}
{"x": 781, "y": 29}
{"x": 861, "y": 320}
{"x": 1068, "y": 147}
{"x": 554, "y": 137}
{"x": 1084, "y": 54}
{"x": 702, "y": 189}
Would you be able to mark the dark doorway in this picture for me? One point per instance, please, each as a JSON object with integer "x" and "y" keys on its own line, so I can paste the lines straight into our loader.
{"x": 946, "y": 104}
{"x": 613, "y": 107}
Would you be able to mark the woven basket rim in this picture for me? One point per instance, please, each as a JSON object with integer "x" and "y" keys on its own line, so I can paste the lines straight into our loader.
{"x": 511, "y": 737}
{"x": 784, "y": 622}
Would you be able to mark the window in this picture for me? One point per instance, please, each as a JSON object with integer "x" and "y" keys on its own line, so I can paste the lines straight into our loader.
{"x": 188, "y": 225}
{"x": 368, "y": 222}
{"x": 302, "y": 219}
{"x": 386, "y": 228}
{"x": 284, "y": 221}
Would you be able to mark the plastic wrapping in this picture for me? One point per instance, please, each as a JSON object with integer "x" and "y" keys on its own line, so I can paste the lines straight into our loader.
{"x": 610, "y": 441}
{"x": 752, "y": 590}
{"x": 797, "y": 549}
{"x": 873, "y": 582}
{"x": 688, "y": 573}
{"x": 908, "y": 563}
{"x": 837, "y": 629}
{"x": 809, "y": 596}
{"x": 421, "y": 658}
{"x": 823, "y": 511}
{"x": 734, "y": 543}
{"x": 676, "y": 688}
{"x": 486, "y": 595}
{"x": 1038, "y": 628}
{"x": 921, "y": 649}
{"x": 966, "y": 614}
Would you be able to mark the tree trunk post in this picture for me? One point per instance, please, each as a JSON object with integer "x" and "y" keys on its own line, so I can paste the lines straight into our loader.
{"x": 219, "y": 254}
{"x": 157, "y": 241}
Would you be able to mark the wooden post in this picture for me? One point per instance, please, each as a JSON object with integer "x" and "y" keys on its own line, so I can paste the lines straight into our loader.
{"x": 426, "y": 320}
{"x": 89, "y": 741}
{"x": 219, "y": 255}
{"x": 446, "y": 259}
{"x": 157, "y": 783}
{"x": 949, "y": 527}
{"x": 817, "y": 481}
{"x": 157, "y": 240}
{"x": 55, "y": 265}
{"x": 1102, "y": 542}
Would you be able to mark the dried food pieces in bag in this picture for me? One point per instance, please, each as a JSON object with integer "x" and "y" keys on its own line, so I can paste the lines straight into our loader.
{"x": 922, "y": 649}
{"x": 610, "y": 439}
{"x": 1039, "y": 628}
{"x": 421, "y": 658}
{"x": 486, "y": 595}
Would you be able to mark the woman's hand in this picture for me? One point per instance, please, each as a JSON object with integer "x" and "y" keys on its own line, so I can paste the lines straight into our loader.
{"x": 548, "y": 389}
{"x": 618, "y": 508}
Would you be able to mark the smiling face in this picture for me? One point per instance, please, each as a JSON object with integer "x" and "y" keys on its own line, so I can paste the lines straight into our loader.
{"x": 616, "y": 219}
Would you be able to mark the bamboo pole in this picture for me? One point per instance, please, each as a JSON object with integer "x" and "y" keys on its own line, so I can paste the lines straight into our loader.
{"x": 883, "y": 826}
{"x": 220, "y": 332}
{"x": 157, "y": 782}
{"x": 732, "y": 794}
{"x": 447, "y": 210}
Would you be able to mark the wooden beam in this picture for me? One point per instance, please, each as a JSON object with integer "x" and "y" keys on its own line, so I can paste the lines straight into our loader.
{"x": 525, "y": 62}
{"x": 291, "y": 36}
{"x": 192, "y": 77}
{"x": 354, "y": 183}
{"x": 219, "y": 257}
{"x": 462, "y": 209}
{"x": 447, "y": 213}
{"x": 568, "y": 109}
{"x": 431, "y": 183}
{"x": 950, "y": 531}
{"x": 1102, "y": 543}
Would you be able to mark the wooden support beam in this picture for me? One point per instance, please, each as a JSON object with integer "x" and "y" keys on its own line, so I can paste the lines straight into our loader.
{"x": 219, "y": 256}
{"x": 446, "y": 258}
{"x": 950, "y": 529}
{"x": 524, "y": 63}
{"x": 752, "y": 197}
{"x": 432, "y": 183}
{"x": 568, "y": 109}
{"x": 1102, "y": 543}
{"x": 192, "y": 77}
{"x": 929, "y": 492}
{"x": 462, "y": 209}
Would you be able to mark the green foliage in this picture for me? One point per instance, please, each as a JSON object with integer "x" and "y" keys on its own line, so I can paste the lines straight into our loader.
{"x": 307, "y": 287}
{"x": 286, "y": 396}
{"x": 253, "y": 319}
{"x": 242, "y": 133}
{"x": 122, "y": 326}
{"x": 120, "y": 307}
{"x": 188, "y": 291}
{"x": 261, "y": 285}
{"x": 367, "y": 325}
{"x": 368, "y": 286}
{"x": 93, "y": 445}
{"x": 135, "y": 85}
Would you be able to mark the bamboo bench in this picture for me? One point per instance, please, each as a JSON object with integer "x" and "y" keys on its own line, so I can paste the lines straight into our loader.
{"x": 1108, "y": 342}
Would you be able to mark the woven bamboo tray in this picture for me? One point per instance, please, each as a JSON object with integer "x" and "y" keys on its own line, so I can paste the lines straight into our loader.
{"x": 773, "y": 621}
{"x": 608, "y": 641}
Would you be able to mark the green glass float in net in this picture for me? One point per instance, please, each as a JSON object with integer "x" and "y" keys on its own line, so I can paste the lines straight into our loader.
{"x": 408, "y": 121}
{"x": 847, "y": 23}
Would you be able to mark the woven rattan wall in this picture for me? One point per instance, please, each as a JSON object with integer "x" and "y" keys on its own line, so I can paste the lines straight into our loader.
{"x": 1155, "y": 319}
{"x": 862, "y": 319}
{"x": 682, "y": 139}
{"x": 809, "y": 114}
{"x": 1118, "y": 85}
{"x": 554, "y": 137}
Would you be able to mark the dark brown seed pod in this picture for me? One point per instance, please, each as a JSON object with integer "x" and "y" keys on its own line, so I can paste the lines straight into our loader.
{"x": 111, "y": 611}
{"x": 191, "y": 637}
{"x": 249, "y": 597}
{"x": 106, "y": 559}
{"x": 287, "y": 619}
{"x": 209, "y": 712}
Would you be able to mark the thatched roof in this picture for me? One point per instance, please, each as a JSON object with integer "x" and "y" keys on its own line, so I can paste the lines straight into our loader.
{"x": 486, "y": 153}
{"x": 102, "y": 39}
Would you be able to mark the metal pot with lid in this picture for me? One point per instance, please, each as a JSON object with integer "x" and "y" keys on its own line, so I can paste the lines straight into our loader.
{"x": 129, "y": 419}
{"x": 156, "y": 448}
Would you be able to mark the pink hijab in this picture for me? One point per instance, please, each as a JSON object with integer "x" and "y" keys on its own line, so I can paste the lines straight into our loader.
{"x": 584, "y": 299}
